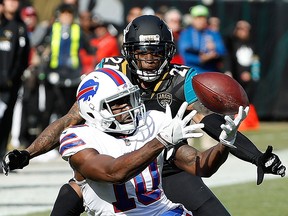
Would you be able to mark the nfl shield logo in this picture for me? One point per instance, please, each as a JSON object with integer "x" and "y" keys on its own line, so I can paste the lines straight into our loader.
{"x": 164, "y": 98}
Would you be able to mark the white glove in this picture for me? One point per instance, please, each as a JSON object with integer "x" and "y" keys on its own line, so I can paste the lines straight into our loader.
{"x": 230, "y": 128}
{"x": 175, "y": 129}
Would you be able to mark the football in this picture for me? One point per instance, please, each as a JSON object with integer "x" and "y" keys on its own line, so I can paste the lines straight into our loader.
{"x": 219, "y": 92}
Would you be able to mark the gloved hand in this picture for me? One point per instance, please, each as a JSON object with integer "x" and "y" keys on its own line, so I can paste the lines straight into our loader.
{"x": 175, "y": 129}
{"x": 15, "y": 160}
{"x": 269, "y": 163}
{"x": 228, "y": 135}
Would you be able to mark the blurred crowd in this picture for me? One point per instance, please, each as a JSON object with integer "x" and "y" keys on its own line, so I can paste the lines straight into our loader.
{"x": 71, "y": 43}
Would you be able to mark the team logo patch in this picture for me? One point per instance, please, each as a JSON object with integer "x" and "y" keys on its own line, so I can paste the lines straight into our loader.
{"x": 88, "y": 90}
{"x": 164, "y": 98}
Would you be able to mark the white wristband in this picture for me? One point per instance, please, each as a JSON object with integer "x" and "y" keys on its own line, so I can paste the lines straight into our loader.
{"x": 164, "y": 142}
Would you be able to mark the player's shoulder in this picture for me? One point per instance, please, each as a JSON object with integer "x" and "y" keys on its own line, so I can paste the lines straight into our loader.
{"x": 75, "y": 128}
{"x": 77, "y": 138}
{"x": 80, "y": 131}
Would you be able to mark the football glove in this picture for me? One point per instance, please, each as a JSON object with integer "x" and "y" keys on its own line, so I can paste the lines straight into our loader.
{"x": 269, "y": 163}
{"x": 176, "y": 129}
{"x": 230, "y": 128}
{"x": 15, "y": 159}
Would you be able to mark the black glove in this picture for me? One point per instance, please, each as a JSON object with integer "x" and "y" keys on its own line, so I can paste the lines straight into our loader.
{"x": 15, "y": 160}
{"x": 269, "y": 163}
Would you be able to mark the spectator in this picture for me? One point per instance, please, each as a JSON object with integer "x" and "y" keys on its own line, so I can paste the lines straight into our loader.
{"x": 33, "y": 98}
{"x": 173, "y": 18}
{"x": 214, "y": 24}
{"x": 64, "y": 69}
{"x": 105, "y": 43}
{"x": 25, "y": 128}
{"x": 14, "y": 52}
{"x": 242, "y": 64}
{"x": 85, "y": 19}
{"x": 200, "y": 47}
{"x": 133, "y": 13}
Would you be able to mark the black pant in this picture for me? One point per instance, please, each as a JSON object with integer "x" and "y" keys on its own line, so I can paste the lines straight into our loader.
{"x": 191, "y": 191}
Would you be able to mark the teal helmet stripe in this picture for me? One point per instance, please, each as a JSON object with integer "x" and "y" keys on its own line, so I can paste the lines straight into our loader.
{"x": 190, "y": 95}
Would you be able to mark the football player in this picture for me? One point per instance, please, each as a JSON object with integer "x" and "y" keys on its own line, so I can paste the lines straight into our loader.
{"x": 147, "y": 50}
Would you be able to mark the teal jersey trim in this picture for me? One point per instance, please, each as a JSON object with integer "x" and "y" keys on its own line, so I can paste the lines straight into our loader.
{"x": 190, "y": 95}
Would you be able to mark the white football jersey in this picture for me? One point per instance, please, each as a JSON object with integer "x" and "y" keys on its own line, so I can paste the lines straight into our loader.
{"x": 141, "y": 194}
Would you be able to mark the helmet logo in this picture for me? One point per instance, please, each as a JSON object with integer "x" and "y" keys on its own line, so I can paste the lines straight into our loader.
{"x": 149, "y": 38}
{"x": 164, "y": 98}
{"x": 88, "y": 90}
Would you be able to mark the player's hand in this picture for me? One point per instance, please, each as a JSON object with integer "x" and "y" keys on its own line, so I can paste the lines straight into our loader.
{"x": 229, "y": 129}
{"x": 15, "y": 160}
{"x": 269, "y": 163}
{"x": 176, "y": 129}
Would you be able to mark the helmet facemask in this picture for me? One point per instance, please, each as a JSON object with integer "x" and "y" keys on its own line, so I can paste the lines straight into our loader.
{"x": 150, "y": 60}
{"x": 133, "y": 115}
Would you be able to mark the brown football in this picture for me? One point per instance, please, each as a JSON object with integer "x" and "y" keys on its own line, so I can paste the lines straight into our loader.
{"x": 219, "y": 92}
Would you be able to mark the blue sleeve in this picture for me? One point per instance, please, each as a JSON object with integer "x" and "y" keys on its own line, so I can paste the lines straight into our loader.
{"x": 184, "y": 44}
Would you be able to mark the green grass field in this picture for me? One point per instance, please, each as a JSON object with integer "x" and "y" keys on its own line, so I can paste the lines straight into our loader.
{"x": 268, "y": 199}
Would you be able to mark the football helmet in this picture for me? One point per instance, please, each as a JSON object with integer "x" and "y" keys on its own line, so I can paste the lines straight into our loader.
{"x": 102, "y": 88}
{"x": 148, "y": 34}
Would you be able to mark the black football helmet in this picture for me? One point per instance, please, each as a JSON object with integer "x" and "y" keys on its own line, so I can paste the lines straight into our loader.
{"x": 148, "y": 34}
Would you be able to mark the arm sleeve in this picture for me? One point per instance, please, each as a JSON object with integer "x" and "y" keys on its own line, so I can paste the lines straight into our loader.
{"x": 245, "y": 150}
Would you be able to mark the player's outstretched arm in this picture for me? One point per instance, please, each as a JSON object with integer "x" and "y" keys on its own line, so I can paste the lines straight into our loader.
{"x": 46, "y": 141}
{"x": 49, "y": 138}
{"x": 208, "y": 162}
{"x": 198, "y": 163}
{"x": 246, "y": 150}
